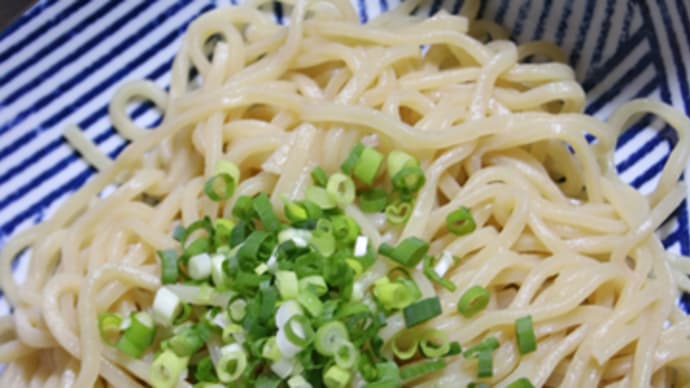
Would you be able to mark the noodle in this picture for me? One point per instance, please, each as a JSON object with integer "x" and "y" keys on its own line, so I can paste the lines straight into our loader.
{"x": 559, "y": 236}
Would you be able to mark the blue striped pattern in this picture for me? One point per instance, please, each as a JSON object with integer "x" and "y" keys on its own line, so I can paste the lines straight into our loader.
{"x": 61, "y": 61}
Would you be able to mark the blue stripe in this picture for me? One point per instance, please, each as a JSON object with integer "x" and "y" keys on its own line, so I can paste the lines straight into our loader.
{"x": 603, "y": 34}
{"x": 648, "y": 25}
{"x": 683, "y": 227}
{"x": 685, "y": 22}
{"x": 362, "y": 6}
{"x": 582, "y": 33}
{"x": 278, "y": 11}
{"x": 521, "y": 17}
{"x": 627, "y": 19}
{"x": 627, "y": 78}
{"x": 42, "y": 29}
{"x": 621, "y": 54}
{"x": 85, "y": 72}
{"x": 435, "y": 6}
{"x": 563, "y": 22}
{"x": 129, "y": 67}
{"x": 653, "y": 170}
{"x": 539, "y": 31}
{"x": 29, "y": 15}
{"x": 482, "y": 9}
{"x": 637, "y": 127}
{"x": 501, "y": 12}
{"x": 59, "y": 44}
{"x": 9, "y": 226}
{"x": 684, "y": 302}
{"x": 666, "y": 134}
{"x": 383, "y": 5}
{"x": 457, "y": 4}
{"x": 677, "y": 59}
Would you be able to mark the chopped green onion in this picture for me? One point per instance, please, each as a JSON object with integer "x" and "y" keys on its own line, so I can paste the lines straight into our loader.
{"x": 404, "y": 345}
{"x": 319, "y": 177}
{"x": 329, "y": 336}
{"x": 430, "y": 272}
{"x": 264, "y": 209}
{"x": 527, "y": 341}
{"x": 249, "y": 250}
{"x": 138, "y": 336}
{"x": 460, "y": 222}
{"x": 454, "y": 349}
{"x": 109, "y": 327}
{"x": 310, "y": 302}
{"x": 488, "y": 344}
{"x": 397, "y": 160}
{"x": 166, "y": 369}
{"x": 237, "y": 310}
{"x": 286, "y": 282}
{"x": 473, "y": 301}
{"x": 298, "y": 330}
{"x": 220, "y": 187}
{"x": 300, "y": 237}
{"x": 205, "y": 371}
{"x": 346, "y": 355}
{"x": 232, "y": 362}
{"x": 320, "y": 197}
{"x": 227, "y": 167}
{"x": 477, "y": 385}
{"x": 243, "y": 208}
{"x": 368, "y": 165}
{"x": 351, "y": 160}
{"x": 522, "y": 382}
{"x": 336, "y": 377}
{"x": 373, "y": 200}
{"x": 166, "y": 307}
{"x": 313, "y": 283}
{"x": 395, "y": 295}
{"x": 387, "y": 375}
{"x": 422, "y": 311}
{"x": 298, "y": 382}
{"x": 294, "y": 211}
{"x": 286, "y": 311}
{"x": 399, "y": 212}
{"x": 421, "y": 368}
{"x": 485, "y": 364}
{"x": 223, "y": 230}
{"x": 187, "y": 341}
{"x": 433, "y": 344}
{"x": 409, "y": 180}
{"x": 169, "y": 268}
{"x": 361, "y": 246}
{"x": 344, "y": 228}
{"x": 408, "y": 252}
{"x": 323, "y": 242}
{"x": 199, "y": 266}
{"x": 341, "y": 188}
{"x": 270, "y": 349}
{"x": 232, "y": 332}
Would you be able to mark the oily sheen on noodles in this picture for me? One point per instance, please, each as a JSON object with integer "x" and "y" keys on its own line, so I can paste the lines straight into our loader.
{"x": 559, "y": 236}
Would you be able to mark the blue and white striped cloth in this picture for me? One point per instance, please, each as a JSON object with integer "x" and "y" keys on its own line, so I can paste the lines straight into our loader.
{"x": 61, "y": 60}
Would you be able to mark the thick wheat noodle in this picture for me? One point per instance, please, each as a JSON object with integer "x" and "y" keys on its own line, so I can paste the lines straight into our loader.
{"x": 492, "y": 134}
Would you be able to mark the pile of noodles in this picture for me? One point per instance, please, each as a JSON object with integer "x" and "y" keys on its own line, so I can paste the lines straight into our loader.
{"x": 559, "y": 236}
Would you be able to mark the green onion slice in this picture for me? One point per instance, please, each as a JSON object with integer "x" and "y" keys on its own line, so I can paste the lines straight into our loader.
{"x": 429, "y": 271}
{"x": 220, "y": 187}
{"x": 399, "y": 212}
{"x": 336, "y": 377}
{"x": 319, "y": 177}
{"x": 166, "y": 369}
{"x": 329, "y": 336}
{"x": 320, "y": 197}
{"x": 373, "y": 200}
{"x": 404, "y": 345}
{"x": 232, "y": 362}
{"x": 341, "y": 188}
{"x": 109, "y": 327}
{"x": 409, "y": 252}
{"x": 460, "y": 222}
{"x": 421, "y": 368}
{"x": 522, "y": 382}
{"x": 351, "y": 160}
{"x": 169, "y": 268}
{"x": 434, "y": 344}
{"x": 527, "y": 341}
{"x": 345, "y": 355}
{"x": 397, "y": 160}
{"x": 298, "y": 330}
{"x": 485, "y": 364}
{"x": 422, "y": 311}
{"x": 368, "y": 165}
{"x": 473, "y": 301}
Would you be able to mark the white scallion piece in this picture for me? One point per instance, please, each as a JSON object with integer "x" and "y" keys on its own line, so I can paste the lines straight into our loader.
{"x": 166, "y": 307}
{"x": 361, "y": 245}
{"x": 200, "y": 266}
